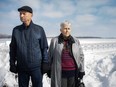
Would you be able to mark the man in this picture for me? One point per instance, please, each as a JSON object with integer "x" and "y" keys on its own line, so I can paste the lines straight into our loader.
{"x": 66, "y": 58}
{"x": 28, "y": 50}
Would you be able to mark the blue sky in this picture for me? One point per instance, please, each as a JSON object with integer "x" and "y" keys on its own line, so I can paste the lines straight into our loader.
{"x": 88, "y": 17}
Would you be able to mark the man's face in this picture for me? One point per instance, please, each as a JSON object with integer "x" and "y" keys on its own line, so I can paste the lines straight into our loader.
{"x": 66, "y": 30}
{"x": 25, "y": 16}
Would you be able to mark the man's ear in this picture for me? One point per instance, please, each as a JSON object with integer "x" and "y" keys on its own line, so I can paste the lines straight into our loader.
{"x": 31, "y": 15}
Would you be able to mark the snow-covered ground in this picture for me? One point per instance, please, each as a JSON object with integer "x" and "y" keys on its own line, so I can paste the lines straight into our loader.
{"x": 100, "y": 63}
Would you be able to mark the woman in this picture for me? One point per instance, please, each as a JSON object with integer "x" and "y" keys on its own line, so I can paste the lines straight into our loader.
{"x": 66, "y": 58}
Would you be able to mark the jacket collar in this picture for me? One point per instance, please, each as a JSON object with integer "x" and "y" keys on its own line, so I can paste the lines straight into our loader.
{"x": 61, "y": 39}
{"x": 26, "y": 27}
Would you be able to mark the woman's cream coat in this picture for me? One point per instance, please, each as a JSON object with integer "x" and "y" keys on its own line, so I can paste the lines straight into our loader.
{"x": 55, "y": 51}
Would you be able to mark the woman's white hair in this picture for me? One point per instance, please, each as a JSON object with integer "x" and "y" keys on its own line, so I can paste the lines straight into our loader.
{"x": 65, "y": 23}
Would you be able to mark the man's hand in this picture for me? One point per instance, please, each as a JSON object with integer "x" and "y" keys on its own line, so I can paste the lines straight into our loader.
{"x": 13, "y": 69}
{"x": 45, "y": 67}
{"x": 49, "y": 73}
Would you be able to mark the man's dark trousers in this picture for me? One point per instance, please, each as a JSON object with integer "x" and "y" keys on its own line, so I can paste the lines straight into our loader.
{"x": 36, "y": 78}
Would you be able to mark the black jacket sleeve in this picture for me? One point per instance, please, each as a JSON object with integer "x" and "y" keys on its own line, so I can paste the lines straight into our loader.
{"x": 44, "y": 46}
{"x": 12, "y": 52}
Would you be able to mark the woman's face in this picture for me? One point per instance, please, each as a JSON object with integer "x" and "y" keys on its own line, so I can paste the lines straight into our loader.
{"x": 66, "y": 30}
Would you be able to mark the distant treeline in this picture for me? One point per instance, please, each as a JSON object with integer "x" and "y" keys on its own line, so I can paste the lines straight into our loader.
{"x": 9, "y": 36}
{"x": 4, "y": 36}
{"x": 89, "y": 37}
{"x": 83, "y": 37}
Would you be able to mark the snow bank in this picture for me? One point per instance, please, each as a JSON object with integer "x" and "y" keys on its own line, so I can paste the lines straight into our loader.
{"x": 100, "y": 64}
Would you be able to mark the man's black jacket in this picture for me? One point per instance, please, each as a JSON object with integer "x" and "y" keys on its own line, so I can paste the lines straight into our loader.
{"x": 28, "y": 47}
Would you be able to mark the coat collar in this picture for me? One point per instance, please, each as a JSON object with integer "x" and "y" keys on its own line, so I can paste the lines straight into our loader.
{"x": 31, "y": 23}
{"x": 61, "y": 39}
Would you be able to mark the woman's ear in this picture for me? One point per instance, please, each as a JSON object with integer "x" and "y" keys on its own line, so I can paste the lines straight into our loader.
{"x": 60, "y": 30}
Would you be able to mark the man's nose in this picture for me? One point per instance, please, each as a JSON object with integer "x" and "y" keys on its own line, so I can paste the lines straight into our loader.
{"x": 21, "y": 15}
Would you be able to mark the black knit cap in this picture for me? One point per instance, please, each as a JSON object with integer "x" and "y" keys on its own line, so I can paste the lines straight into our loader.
{"x": 25, "y": 8}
